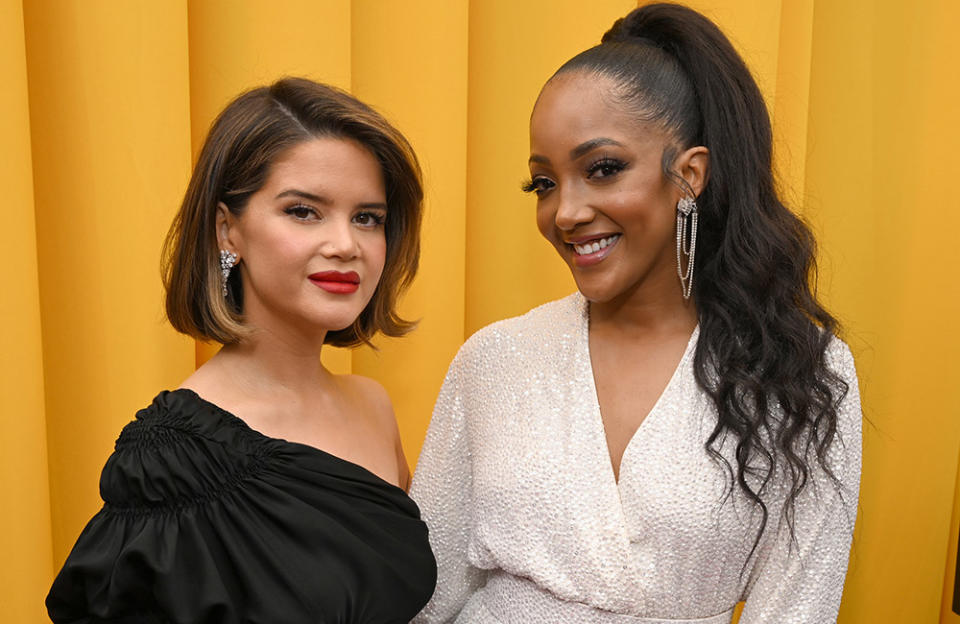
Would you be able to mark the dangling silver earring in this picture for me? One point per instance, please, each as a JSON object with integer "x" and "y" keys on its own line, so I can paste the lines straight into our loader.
{"x": 686, "y": 243}
{"x": 227, "y": 260}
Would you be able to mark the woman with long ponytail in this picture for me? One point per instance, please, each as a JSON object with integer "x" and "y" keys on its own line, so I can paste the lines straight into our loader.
{"x": 683, "y": 433}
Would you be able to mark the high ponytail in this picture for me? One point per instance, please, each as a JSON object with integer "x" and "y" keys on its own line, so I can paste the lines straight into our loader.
{"x": 761, "y": 356}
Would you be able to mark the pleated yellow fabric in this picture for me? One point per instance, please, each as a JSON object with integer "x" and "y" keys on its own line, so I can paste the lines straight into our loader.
{"x": 109, "y": 119}
{"x": 789, "y": 107}
{"x": 881, "y": 159}
{"x": 104, "y": 103}
{"x": 951, "y": 588}
{"x": 410, "y": 62}
{"x": 514, "y": 48}
{"x": 25, "y": 532}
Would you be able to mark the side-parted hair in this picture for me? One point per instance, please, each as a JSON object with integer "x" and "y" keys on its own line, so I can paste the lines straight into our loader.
{"x": 251, "y": 133}
{"x": 761, "y": 356}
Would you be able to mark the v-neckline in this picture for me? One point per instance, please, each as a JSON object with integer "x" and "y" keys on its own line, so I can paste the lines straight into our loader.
{"x": 616, "y": 476}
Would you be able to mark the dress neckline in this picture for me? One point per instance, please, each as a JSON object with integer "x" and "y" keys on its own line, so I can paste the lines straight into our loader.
{"x": 236, "y": 421}
{"x": 584, "y": 309}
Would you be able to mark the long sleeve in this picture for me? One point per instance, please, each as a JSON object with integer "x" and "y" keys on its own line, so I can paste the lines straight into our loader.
{"x": 442, "y": 486}
{"x": 528, "y": 523}
{"x": 801, "y": 581}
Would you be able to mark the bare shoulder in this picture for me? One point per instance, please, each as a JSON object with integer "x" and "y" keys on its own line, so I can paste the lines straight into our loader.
{"x": 209, "y": 382}
{"x": 373, "y": 400}
{"x": 368, "y": 395}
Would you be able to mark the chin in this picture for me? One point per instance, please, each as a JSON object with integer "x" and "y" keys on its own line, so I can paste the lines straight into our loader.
{"x": 595, "y": 293}
{"x": 336, "y": 324}
{"x": 336, "y": 316}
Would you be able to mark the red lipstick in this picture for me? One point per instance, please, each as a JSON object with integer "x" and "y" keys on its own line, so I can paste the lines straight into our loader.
{"x": 336, "y": 282}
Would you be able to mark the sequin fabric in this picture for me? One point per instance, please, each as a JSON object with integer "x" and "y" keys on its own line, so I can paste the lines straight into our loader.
{"x": 529, "y": 525}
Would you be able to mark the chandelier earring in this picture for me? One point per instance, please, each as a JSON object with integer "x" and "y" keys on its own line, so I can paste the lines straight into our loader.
{"x": 686, "y": 242}
{"x": 227, "y": 261}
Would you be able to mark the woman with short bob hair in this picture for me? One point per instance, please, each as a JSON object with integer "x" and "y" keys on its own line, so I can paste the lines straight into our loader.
{"x": 265, "y": 488}
{"x": 233, "y": 164}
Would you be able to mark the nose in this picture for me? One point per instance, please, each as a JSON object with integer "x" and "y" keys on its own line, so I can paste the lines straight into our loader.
{"x": 572, "y": 210}
{"x": 340, "y": 240}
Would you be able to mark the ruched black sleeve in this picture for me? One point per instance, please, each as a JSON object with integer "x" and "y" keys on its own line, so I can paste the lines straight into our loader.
{"x": 205, "y": 520}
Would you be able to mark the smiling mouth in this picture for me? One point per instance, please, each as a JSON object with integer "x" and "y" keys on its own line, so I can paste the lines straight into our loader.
{"x": 593, "y": 246}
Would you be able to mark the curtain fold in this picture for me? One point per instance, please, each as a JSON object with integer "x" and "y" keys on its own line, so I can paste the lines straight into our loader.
{"x": 105, "y": 102}
{"x": 514, "y": 49}
{"x": 880, "y": 148}
{"x": 409, "y": 61}
{"x": 109, "y": 121}
{"x": 25, "y": 540}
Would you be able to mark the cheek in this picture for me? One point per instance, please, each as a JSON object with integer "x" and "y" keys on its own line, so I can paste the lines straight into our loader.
{"x": 545, "y": 222}
{"x": 646, "y": 208}
{"x": 376, "y": 252}
{"x": 276, "y": 249}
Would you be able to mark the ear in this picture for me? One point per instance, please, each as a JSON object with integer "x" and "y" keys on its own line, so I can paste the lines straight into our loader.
{"x": 694, "y": 167}
{"x": 225, "y": 226}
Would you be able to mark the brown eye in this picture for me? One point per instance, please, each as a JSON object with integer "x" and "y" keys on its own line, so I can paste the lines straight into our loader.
{"x": 538, "y": 185}
{"x": 605, "y": 168}
{"x": 301, "y": 212}
{"x": 369, "y": 219}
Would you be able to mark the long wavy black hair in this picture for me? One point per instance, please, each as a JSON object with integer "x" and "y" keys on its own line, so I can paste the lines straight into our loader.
{"x": 761, "y": 355}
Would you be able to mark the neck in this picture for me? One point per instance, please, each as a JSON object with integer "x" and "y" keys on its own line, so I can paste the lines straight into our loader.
{"x": 646, "y": 312}
{"x": 270, "y": 362}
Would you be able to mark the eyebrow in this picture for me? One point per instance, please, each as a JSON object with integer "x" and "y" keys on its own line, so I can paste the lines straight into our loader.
{"x": 304, "y": 195}
{"x": 580, "y": 150}
{"x": 587, "y": 146}
{"x": 320, "y": 199}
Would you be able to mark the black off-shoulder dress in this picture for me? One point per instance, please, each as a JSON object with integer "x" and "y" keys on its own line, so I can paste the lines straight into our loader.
{"x": 207, "y": 521}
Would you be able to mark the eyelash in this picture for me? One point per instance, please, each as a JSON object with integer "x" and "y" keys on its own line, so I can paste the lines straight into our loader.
{"x": 302, "y": 212}
{"x": 301, "y": 209}
{"x": 614, "y": 166}
{"x": 607, "y": 166}
{"x": 537, "y": 185}
{"x": 378, "y": 219}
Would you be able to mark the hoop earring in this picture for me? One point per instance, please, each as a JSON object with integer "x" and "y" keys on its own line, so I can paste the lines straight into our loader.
{"x": 686, "y": 244}
{"x": 227, "y": 260}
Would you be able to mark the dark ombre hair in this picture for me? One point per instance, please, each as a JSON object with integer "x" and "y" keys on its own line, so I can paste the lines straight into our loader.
{"x": 761, "y": 356}
{"x": 245, "y": 140}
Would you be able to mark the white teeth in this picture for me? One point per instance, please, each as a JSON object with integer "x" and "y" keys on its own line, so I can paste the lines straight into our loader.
{"x": 595, "y": 246}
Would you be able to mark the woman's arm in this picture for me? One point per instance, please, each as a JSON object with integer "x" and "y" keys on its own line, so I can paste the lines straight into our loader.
{"x": 442, "y": 487}
{"x": 800, "y": 577}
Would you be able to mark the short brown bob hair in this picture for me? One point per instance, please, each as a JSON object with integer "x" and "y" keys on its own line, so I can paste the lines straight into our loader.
{"x": 248, "y": 136}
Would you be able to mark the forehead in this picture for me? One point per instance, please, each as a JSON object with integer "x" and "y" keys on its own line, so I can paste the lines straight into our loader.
{"x": 578, "y": 107}
{"x": 324, "y": 155}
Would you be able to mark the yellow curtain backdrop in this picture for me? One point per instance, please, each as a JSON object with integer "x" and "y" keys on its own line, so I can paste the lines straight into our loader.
{"x": 25, "y": 535}
{"x": 105, "y": 101}
{"x": 109, "y": 124}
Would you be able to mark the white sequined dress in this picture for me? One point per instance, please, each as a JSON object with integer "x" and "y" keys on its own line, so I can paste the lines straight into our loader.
{"x": 529, "y": 525}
